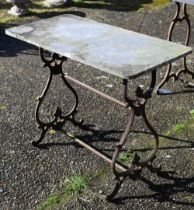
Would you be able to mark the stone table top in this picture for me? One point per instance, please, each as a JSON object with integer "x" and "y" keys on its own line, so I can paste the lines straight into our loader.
{"x": 117, "y": 51}
{"x": 191, "y": 2}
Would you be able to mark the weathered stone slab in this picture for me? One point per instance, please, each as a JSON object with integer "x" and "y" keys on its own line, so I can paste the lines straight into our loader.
{"x": 114, "y": 50}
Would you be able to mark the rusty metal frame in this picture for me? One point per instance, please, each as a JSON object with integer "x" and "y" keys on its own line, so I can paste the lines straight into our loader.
{"x": 136, "y": 108}
{"x": 180, "y": 15}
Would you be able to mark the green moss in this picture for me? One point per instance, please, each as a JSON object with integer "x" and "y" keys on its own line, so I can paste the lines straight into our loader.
{"x": 8, "y": 19}
{"x": 78, "y": 1}
{"x": 154, "y": 4}
{"x": 127, "y": 5}
{"x": 125, "y": 156}
{"x": 182, "y": 127}
{"x": 51, "y": 201}
{"x": 38, "y": 8}
{"x": 176, "y": 129}
{"x": 185, "y": 128}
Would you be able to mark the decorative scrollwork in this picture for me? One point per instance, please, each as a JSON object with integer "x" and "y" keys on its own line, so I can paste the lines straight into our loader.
{"x": 180, "y": 15}
{"x": 137, "y": 108}
{"x": 55, "y": 66}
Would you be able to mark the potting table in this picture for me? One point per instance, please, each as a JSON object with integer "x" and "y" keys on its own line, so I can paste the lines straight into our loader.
{"x": 180, "y": 16}
{"x": 123, "y": 53}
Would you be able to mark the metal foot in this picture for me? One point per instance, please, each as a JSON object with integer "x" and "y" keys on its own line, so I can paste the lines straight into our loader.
{"x": 76, "y": 122}
{"x": 42, "y": 135}
{"x": 115, "y": 189}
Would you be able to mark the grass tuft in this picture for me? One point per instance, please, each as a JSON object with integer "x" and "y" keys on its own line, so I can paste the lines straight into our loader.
{"x": 176, "y": 129}
{"x": 72, "y": 187}
{"x": 192, "y": 113}
{"x": 154, "y": 4}
{"x": 125, "y": 156}
{"x": 51, "y": 200}
{"x": 76, "y": 183}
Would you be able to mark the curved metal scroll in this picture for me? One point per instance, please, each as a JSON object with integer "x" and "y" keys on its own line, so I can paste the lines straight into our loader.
{"x": 40, "y": 100}
{"x": 147, "y": 95}
{"x": 152, "y": 155}
{"x": 177, "y": 18}
{"x": 73, "y": 110}
{"x": 55, "y": 67}
{"x": 137, "y": 108}
{"x": 121, "y": 144}
{"x": 136, "y": 161}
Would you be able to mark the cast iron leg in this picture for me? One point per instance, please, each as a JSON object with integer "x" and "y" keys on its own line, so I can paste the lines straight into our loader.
{"x": 137, "y": 163}
{"x": 178, "y": 18}
{"x": 115, "y": 190}
{"x": 55, "y": 68}
{"x": 136, "y": 109}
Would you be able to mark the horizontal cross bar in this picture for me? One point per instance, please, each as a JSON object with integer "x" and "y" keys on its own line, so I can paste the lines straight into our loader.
{"x": 124, "y": 104}
{"x": 95, "y": 151}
